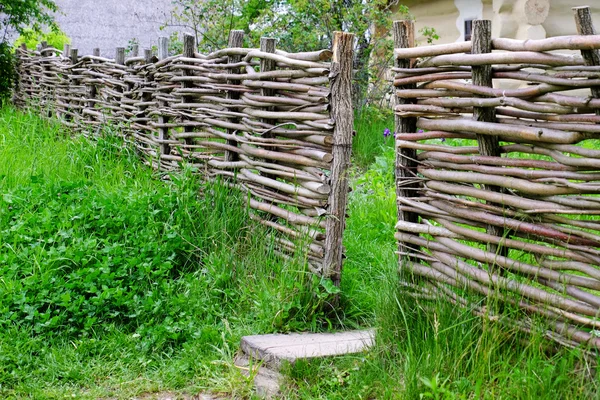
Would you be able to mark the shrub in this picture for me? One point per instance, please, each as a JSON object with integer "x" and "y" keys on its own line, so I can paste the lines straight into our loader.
{"x": 7, "y": 72}
{"x": 55, "y": 38}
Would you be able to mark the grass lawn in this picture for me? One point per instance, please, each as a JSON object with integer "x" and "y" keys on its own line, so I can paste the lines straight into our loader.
{"x": 115, "y": 284}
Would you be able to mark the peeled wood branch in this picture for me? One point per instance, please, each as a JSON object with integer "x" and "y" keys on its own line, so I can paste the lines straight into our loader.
{"x": 519, "y": 134}
{"x": 516, "y": 225}
{"x": 516, "y": 57}
{"x": 521, "y": 185}
{"x": 574, "y": 42}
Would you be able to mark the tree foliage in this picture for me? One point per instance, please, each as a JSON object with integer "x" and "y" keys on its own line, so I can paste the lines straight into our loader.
{"x": 19, "y": 16}
{"x": 299, "y": 25}
{"x": 31, "y": 38}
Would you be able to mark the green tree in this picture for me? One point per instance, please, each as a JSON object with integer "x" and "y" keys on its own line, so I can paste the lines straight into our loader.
{"x": 18, "y": 16}
{"x": 299, "y": 25}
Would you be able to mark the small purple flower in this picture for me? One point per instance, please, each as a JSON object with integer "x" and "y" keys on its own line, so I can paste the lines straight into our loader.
{"x": 386, "y": 133}
{"x": 420, "y": 131}
{"x": 443, "y": 139}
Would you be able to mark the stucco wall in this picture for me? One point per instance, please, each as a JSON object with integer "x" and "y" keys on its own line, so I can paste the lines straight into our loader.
{"x": 108, "y": 24}
{"x": 447, "y": 17}
{"x": 439, "y": 14}
{"x": 560, "y": 20}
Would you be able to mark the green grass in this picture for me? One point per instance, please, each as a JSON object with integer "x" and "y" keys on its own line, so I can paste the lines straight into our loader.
{"x": 370, "y": 124}
{"x": 429, "y": 350}
{"x": 115, "y": 284}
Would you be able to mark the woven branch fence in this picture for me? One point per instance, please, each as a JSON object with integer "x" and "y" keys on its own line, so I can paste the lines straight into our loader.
{"x": 498, "y": 176}
{"x": 275, "y": 125}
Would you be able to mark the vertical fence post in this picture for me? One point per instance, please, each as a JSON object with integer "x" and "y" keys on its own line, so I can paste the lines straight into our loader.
{"x": 65, "y": 82}
{"x": 135, "y": 50}
{"x": 163, "y": 47}
{"x": 585, "y": 26}
{"x": 148, "y": 56}
{"x": 66, "y": 50}
{"x": 120, "y": 60}
{"x": 189, "y": 48}
{"x": 163, "y": 131}
{"x": 93, "y": 89}
{"x": 406, "y": 165}
{"x": 74, "y": 56}
{"x": 142, "y": 119}
{"x": 236, "y": 39}
{"x": 267, "y": 45}
{"x": 481, "y": 43}
{"x": 75, "y": 111}
{"x": 120, "y": 55}
{"x": 342, "y": 114}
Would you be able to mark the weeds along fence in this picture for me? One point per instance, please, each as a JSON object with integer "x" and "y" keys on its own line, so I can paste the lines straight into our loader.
{"x": 276, "y": 125}
{"x": 498, "y": 176}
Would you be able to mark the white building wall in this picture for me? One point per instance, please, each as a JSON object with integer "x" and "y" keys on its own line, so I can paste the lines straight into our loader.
{"x": 108, "y": 24}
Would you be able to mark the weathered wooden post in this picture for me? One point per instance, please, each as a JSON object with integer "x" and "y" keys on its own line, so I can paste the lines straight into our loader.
{"x": 189, "y": 48}
{"x": 66, "y": 50}
{"x": 406, "y": 165}
{"x": 61, "y": 109}
{"x": 342, "y": 114}
{"x": 120, "y": 55}
{"x": 236, "y": 39}
{"x": 163, "y": 120}
{"x": 93, "y": 89}
{"x": 163, "y": 47}
{"x": 267, "y": 45}
{"x": 489, "y": 145}
{"x": 116, "y": 115}
{"x": 135, "y": 50}
{"x": 74, "y": 56}
{"x": 75, "y": 109}
{"x": 585, "y": 26}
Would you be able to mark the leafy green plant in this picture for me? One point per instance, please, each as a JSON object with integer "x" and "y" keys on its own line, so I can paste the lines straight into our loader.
{"x": 429, "y": 33}
{"x": 7, "y": 71}
{"x": 287, "y": 21}
{"x": 437, "y": 389}
{"x": 130, "y": 45}
{"x": 31, "y": 38}
{"x": 19, "y": 16}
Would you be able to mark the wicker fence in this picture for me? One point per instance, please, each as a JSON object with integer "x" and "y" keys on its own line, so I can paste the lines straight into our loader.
{"x": 498, "y": 174}
{"x": 277, "y": 126}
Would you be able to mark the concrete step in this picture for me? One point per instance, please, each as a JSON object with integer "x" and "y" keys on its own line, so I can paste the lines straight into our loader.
{"x": 270, "y": 351}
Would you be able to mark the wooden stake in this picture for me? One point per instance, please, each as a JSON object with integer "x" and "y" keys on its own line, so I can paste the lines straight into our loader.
{"x": 119, "y": 55}
{"x": 236, "y": 39}
{"x": 96, "y": 52}
{"x": 74, "y": 56}
{"x": 163, "y": 133}
{"x": 482, "y": 76}
{"x": 268, "y": 46}
{"x": 343, "y": 115}
{"x": 189, "y": 48}
{"x": 585, "y": 26}
{"x": 135, "y": 50}
{"x": 406, "y": 166}
{"x": 148, "y": 56}
{"x": 66, "y": 49}
{"x": 163, "y": 47}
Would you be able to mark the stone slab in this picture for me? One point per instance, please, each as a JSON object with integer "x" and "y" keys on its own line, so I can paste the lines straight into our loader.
{"x": 266, "y": 380}
{"x": 272, "y": 349}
